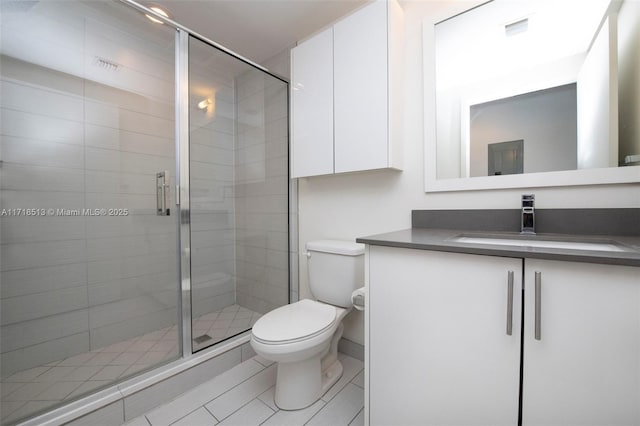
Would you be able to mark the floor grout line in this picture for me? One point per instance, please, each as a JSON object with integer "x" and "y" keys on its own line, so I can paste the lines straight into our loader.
{"x": 267, "y": 419}
{"x": 240, "y": 408}
{"x": 211, "y": 400}
{"x": 232, "y": 388}
{"x": 209, "y": 411}
{"x": 188, "y": 414}
{"x": 354, "y": 417}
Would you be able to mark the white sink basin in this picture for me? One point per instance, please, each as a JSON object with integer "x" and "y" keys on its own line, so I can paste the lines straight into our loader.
{"x": 524, "y": 242}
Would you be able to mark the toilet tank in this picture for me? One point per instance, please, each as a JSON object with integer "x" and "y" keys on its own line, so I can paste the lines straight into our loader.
{"x": 336, "y": 269}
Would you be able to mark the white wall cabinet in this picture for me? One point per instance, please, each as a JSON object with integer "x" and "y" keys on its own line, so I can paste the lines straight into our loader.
{"x": 437, "y": 351}
{"x": 346, "y": 95}
{"x": 312, "y": 106}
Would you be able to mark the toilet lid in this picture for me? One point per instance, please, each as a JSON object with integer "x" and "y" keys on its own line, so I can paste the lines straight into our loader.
{"x": 295, "y": 321}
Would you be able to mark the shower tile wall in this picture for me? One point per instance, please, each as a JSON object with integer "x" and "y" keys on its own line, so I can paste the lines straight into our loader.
{"x": 212, "y": 134}
{"x": 239, "y": 194}
{"x": 262, "y": 256}
{"x": 75, "y": 135}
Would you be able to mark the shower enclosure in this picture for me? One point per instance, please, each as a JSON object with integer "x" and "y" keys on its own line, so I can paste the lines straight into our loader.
{"x": 144, "y": 204}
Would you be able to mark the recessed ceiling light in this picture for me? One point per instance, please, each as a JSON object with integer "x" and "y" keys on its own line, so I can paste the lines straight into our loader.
{"x": 160, "y": 12}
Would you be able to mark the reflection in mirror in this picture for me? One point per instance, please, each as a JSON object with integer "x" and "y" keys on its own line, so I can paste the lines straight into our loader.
{"x": 538, "y": 86}
{"x": 543, "y": 122}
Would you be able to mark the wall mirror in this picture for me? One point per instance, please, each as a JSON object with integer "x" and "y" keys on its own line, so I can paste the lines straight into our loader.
{"x": 534, "y": 93}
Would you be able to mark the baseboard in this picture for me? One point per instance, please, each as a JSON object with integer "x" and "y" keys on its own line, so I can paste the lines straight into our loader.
{"x": 352, "y": 349}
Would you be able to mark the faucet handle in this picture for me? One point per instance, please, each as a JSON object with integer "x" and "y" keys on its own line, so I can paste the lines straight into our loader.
{"x": 527, "y": 224}
{"x": 528, "y": 200}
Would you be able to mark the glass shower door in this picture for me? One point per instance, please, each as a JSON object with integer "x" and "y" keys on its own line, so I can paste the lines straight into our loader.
{"x": 238, "y": 192}
{"x": 88, "y": 265}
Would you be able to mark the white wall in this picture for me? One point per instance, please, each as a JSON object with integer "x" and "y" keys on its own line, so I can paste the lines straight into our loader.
{"x": 352, "y": 205}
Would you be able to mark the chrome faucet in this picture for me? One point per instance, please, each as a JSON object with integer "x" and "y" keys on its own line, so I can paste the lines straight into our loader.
{"x": 528, "y": 223}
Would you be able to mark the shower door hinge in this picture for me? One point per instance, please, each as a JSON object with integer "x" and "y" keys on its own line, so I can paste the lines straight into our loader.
{"x": 177, "y": 195}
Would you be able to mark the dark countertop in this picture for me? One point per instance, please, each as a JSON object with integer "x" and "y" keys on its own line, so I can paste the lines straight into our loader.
{"x": 441, "y": 240}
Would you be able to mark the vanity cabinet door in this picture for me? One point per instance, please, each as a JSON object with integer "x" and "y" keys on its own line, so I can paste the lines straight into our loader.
{"x": 585, "y": 367}
{"x": 438, "y": 351}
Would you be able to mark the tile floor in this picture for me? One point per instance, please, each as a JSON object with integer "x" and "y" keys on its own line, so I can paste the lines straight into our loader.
{"x": 243, "y": 396}
{"x": 36, "y": 389}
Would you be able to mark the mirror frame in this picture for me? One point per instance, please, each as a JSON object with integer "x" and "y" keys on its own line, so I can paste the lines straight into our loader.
{"x": 600, "y": 176}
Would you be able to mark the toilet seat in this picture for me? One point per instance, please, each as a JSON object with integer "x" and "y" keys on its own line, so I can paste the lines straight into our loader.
{"x": 296, "y": 322}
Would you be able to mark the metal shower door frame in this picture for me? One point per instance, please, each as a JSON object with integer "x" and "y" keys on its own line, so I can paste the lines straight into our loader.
{"x": 182, "y": 189}
{"x": 182, "y": 200}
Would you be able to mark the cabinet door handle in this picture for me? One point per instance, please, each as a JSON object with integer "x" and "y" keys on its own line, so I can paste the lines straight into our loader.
{"x": 537, "y": 326}
{"x": 510, "y": 303}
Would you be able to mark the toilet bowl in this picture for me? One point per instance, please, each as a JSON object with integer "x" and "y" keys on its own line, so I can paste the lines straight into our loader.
{"x": 303, "y": 337}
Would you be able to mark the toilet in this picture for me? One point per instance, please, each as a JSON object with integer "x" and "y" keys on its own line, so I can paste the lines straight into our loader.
{"x": 302, "y": 337}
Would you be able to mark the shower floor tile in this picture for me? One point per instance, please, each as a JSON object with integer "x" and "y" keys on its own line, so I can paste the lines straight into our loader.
{"x": 29, "y": 391}
{"x": 221, "y": 325}
{"x": 37, "y": 388}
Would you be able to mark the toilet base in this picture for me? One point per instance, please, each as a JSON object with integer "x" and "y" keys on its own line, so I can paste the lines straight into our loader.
{"x": 300, "y": 384}
{"x": 331, "y": 376}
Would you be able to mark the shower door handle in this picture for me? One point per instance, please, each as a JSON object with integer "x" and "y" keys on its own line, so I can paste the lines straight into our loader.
{"x": 162, "y": 194}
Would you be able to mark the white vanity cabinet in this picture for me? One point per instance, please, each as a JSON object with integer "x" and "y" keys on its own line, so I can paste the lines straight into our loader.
{"x": 437, "y": 351}
{"x": 345, "y": 94}
{"x": 437, "y": 343}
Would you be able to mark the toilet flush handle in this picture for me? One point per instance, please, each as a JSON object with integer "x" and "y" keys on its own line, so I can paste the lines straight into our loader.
{"x": 358, "y": 299}
{"x": 306, "y": 253}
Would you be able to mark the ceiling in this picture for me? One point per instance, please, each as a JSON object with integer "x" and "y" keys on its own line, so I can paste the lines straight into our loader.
{"x": 256, "y": 29}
